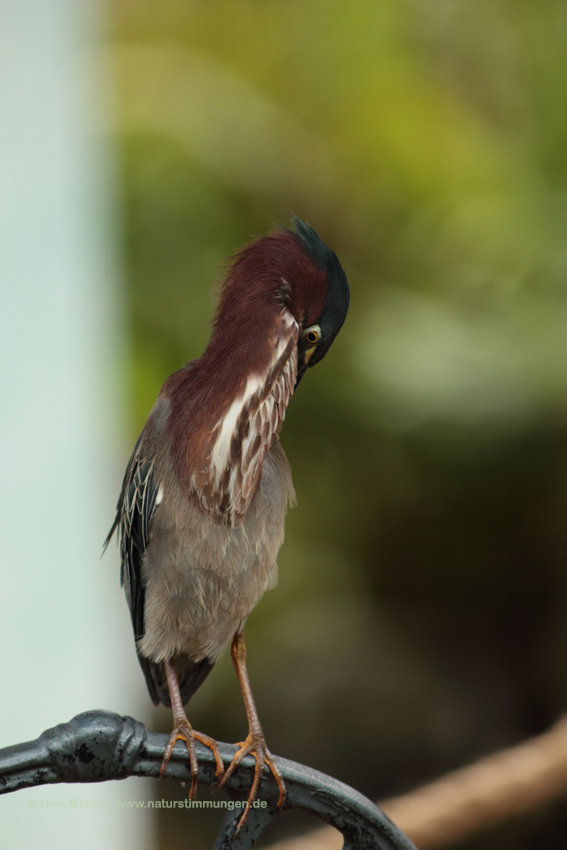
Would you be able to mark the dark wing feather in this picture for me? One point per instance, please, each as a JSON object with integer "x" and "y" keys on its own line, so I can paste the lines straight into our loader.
{"x": 136, "y": 506}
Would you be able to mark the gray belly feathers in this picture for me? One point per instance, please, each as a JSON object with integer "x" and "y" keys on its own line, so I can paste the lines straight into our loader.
{"x": 203, "y": 579}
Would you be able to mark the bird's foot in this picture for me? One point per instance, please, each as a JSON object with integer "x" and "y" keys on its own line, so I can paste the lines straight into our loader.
{"x": 183, "y": 731}
{"x": 255, "y": 745}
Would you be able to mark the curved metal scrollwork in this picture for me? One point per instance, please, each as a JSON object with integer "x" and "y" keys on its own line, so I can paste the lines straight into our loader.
{"x": 100, "y": 745}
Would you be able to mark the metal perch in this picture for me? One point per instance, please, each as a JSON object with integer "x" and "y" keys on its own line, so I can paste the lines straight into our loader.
{"x": 99, "y": 745}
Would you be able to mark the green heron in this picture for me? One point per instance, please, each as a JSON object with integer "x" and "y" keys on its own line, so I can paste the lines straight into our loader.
{"x": 202, "y": 508}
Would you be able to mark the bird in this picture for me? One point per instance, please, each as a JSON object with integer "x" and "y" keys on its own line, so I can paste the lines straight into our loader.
{"x": 200, "y": 516}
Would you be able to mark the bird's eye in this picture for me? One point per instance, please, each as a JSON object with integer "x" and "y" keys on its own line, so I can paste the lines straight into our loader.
{"x": 312, "y": 335}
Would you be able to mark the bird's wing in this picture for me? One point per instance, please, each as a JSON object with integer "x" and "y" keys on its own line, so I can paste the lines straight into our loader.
{"x": 136, "y": 505}
{"x": 245, "y": 432}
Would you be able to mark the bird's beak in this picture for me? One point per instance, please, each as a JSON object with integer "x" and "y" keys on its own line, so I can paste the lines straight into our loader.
{"x": 302, "y": 369}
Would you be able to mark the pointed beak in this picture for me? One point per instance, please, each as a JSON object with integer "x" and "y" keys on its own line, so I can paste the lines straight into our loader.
{"x": 302, "y": 369}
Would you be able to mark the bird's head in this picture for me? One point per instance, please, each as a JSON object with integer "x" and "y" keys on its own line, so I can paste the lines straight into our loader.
{"x": 322, "y": 306}
{"x": 290, "y": 269}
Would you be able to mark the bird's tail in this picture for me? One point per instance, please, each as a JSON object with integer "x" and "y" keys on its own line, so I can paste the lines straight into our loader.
{"x": 190, "y": 676}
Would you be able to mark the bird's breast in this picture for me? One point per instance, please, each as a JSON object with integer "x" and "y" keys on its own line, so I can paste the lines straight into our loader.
{"x": 203, "y": 579}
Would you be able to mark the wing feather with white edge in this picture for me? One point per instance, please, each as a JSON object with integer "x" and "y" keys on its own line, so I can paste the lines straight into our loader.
{"x": 137, "y": 503}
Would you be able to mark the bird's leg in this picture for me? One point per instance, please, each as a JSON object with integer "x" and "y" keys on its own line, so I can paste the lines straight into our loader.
{"x": 255, "y": 743}
{"x": 183, "y": 731}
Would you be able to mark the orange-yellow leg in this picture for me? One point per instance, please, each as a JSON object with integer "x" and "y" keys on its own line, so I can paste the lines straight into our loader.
{"x": 255, "y": 743}
{"x": 183, "y": 731}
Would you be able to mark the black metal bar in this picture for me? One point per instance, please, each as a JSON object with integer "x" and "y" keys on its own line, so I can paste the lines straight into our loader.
{"x": 98, "y": 745}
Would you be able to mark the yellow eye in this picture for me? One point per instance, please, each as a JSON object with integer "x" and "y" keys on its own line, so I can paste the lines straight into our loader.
{"x": 312, "y": 336}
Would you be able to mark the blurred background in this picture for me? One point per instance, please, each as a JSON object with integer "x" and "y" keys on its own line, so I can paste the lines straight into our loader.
{"x": 420, "y": 620}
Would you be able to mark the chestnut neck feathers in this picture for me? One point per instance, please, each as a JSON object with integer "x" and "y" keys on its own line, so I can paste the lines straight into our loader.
{"x": 227, "y": 406}
{"x": 272, "y": 274}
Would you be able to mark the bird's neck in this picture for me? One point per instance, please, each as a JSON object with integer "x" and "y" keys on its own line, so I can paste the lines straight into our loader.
{"x": 227, "y": 409}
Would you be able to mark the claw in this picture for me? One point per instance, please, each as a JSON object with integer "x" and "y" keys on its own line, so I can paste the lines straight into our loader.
{"x": 214, "y": 747}
{"x": 184, "y": 732}
{"x": 254, "y": 745}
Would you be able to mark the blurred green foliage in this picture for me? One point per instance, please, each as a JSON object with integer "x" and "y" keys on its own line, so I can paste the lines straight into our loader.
{"x": 420, "y": 617}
